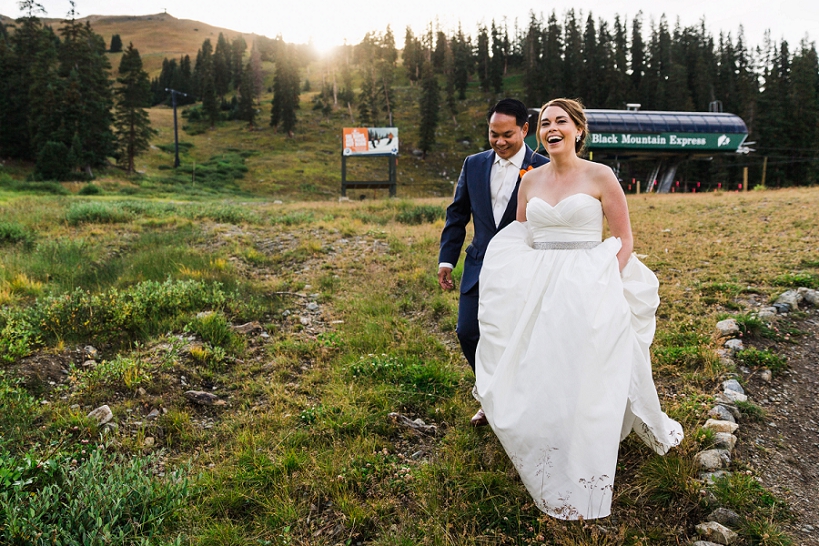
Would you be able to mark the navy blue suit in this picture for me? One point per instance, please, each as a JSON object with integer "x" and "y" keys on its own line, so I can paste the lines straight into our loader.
{"x": 473, "y": 199}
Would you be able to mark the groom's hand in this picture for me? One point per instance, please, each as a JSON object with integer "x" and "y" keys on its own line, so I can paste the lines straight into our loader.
{"x": 445, "y": 278}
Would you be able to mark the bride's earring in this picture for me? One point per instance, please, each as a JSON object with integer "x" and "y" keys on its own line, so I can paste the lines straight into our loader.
{"x": 577, "y": 138}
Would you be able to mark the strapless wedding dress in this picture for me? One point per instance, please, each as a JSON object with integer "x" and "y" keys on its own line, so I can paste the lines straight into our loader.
{"x": 563, "y": 370}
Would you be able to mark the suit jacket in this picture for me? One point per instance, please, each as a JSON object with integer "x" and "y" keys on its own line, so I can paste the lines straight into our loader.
{"x": 473, "y": 199}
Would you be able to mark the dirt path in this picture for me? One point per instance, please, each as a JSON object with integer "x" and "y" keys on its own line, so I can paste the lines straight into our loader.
{"x": 783, "y": 448}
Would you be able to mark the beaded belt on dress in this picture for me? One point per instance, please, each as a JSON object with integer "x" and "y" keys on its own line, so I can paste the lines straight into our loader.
{"x": 565, "y": 245}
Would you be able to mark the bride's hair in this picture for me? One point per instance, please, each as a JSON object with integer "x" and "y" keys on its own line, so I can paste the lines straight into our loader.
{"x": 574, "y": 108}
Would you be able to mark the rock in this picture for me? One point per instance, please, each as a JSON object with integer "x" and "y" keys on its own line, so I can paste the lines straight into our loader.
{"x": 101, "y": 415}
{"x": 766, "y": 376}
{"x": 704, "y": 543}
{"x": 248, "y": 328}
{"x": 710, "y": 477}
{"x": 721, "y": 413}
{"x": 149, "y": 441}
{"x": 264, "y": 335}
{"x": 732, "y": 385}
{"x": 277, "y": 202}
{"x": 417, "y": 424}
{"x": 725, "y": 517}
{"x": 767, "y": 313}
{"x": 735, "y": 345}
{"x": 725, "y": 440}
{"x": 90, "y": 352}
{"x": 312, "y": 306}
{"x": 781, "y": 308}
{"x": 417, "y": 153}
{"x": 810, "y": 295}
{"x": 716, "y": 532}
{"x": 713, "y": 459}
{"x": 791, "y": 298}
{"x": 109, "y": 428}
{"x": 305, "y": 321}
{"x": 89, "y": 363}
{"x": 734, "y": 396}
{"x": 721, "y": 426}
{"x": 204, "y": 398}
{"x": 729, "y": 404}
{"x": 727, "y": 327}
{"x": 141, "y": 391}
{"x": 153, "y": 415}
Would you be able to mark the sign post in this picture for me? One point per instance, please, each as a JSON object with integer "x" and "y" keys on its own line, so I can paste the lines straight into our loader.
{"x": 370, "y": 142}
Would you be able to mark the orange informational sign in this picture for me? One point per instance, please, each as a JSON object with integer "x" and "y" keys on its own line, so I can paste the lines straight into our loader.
{"x": 370, "y": 140}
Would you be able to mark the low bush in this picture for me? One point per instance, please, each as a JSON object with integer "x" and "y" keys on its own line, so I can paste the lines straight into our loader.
{"x": 420, "y": 214}
{"x": 14, "y": 233}
{"x": 107, "y": 499}
{"x": 796, "y": 280}
{"x": 96, "y": 213}
{"x": 113, "y": 316}
{"x": 90, "y": 189}
{"x": 755, "y": 358}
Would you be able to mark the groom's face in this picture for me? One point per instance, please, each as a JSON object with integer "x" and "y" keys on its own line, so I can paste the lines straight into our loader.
{"x": 505, "y": 137}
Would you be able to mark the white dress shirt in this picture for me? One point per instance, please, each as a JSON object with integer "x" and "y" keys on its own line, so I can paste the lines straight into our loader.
{"x": 504, "y": 176}
{"x": 502, "y": 180}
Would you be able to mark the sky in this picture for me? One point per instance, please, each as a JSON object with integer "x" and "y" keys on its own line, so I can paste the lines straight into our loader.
{"x": 328, "y": 23}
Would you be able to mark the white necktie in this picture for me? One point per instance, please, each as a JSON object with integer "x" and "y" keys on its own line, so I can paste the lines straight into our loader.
{"x": 500, "y": 197}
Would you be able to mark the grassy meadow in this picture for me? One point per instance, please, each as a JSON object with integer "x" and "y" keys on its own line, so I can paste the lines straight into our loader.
{"x": 127, "y": 291}
{"x": 302, "y": 448}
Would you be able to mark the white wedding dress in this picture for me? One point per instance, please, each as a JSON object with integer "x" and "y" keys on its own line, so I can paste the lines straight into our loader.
{"x": 563, "y": 369}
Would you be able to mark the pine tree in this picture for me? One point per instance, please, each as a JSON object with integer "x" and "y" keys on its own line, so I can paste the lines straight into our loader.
{"x": 463, "y": 62}
{"x": 285, "y": 93}
{"x": 85, "y": 107}
{"x": 497, "y": 62}
{"x": 428, "y": 109}
{"x": 247, "y": 95}
{"x": 116, "y": 44}
{"x": 572, "y": 56}
{"x": 222, "y": 73}
{"x": 484, "y": 59}
{"x": 637, "y": 51}
{"x": 412, "y": 56}
{"x": 532, "y": 61}
{"x": 237, "y": 60}
{"x": 130, "y": 118}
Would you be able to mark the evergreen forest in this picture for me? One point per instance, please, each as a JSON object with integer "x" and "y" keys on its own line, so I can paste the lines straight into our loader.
{"x": 56, "y": 87}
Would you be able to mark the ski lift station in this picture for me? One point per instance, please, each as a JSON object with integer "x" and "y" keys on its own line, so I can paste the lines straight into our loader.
{"x": 664, "y": 139}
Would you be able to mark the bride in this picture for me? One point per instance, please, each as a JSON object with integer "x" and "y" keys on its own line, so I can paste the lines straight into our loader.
{"x": 563, "y": 371}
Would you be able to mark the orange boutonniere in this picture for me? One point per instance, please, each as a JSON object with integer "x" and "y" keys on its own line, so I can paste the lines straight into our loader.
{"x": 526, "y": 170}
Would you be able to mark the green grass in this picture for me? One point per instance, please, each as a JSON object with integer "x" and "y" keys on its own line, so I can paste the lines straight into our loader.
{"x": 303, "y": 450}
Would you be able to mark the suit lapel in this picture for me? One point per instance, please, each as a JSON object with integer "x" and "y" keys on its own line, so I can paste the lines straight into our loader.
{"x": 511, "y": 209}
{"x": 485, "y": 189}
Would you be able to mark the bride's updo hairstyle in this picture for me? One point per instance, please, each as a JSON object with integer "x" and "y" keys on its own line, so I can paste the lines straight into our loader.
{"x": 574, "y": 108}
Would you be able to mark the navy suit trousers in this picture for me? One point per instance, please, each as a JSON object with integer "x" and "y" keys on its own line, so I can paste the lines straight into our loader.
{"x": 468, "y": 330}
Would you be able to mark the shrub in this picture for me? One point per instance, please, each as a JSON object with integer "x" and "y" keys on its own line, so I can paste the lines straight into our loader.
{"x": 96, "y": 213}
{"x": 795, "y": 280}
{"x": 214, "y": 329}
{"x": 420, "y": 214}
{"x": 90, "y": 189}
{"x": 107, "y": 499}
{"x": 13, "y": 233}
{"x": 754, "y": 358}
{"x": 53, "y": 162}
{"x": 113, "y": 316}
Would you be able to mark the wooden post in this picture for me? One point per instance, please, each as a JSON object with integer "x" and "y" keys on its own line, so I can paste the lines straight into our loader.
{"x": 638, "y": 187}
{"x": 764, "y": 169}
{"x": 744, "y": 178}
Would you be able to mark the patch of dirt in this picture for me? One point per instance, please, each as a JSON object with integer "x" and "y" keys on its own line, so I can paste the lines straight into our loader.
{"x": 44, "y": 370}
{"x": 783, "y": 448}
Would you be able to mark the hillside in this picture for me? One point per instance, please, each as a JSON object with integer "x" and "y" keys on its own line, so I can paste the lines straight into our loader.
{"x": 155, "y": 36}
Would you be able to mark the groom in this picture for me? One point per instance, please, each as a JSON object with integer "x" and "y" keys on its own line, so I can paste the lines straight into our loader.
{"x": 487, "y": 191}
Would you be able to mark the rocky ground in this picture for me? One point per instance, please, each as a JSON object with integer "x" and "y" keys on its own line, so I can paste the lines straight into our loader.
{"x": 783, "y": 447}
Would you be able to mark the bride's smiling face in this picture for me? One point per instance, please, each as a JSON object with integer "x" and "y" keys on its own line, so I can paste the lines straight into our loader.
{"x": 558, "y": 132}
